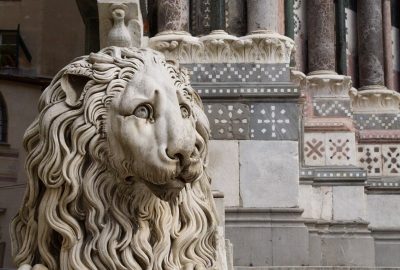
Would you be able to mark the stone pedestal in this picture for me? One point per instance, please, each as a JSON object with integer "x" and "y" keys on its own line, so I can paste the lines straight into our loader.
{"x": 321, "y": 35}
{"x": 173, "y": 15}
{"x": 370, "y": 43}
{"x": 329, "y": 133}
{"x": 267, "y": 236}
{"x": 387, "y": 246}
{"x": 341, "y": 243}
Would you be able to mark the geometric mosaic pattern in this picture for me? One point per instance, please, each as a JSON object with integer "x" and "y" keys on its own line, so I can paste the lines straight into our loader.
{"x": 214, "y": 90}
{"x": 314, "y": 149}
{"x": 339, "y": 150}
{"x": 228, "y": 121}
{"x": 369, "y": 157}
{"x": 238, "y": 72}
{"x": 329, "y": 148}
{"x": 274, "y": 121}
{"x": 332, "y": 108}
{"x": 391, "y": 160}
{"x": 256, "y": 121}
{"x": 377, "y": 121}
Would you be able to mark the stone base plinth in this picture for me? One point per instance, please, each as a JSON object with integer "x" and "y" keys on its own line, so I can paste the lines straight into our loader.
{"x": 267, "y": 236}
{"x": 387, "y": 247}
{"x": 347, "y": 243}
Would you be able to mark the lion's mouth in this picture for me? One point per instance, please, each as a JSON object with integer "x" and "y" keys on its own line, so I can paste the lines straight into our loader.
{"x": 171, "y": 188}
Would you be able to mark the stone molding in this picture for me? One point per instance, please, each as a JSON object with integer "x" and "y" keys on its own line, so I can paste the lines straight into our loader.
{"x": 379, "y": 136}
{"x": 333, "y": 176}
{"x": 383, "y": 185}
{"x": 328, "y": 124}
{"x": 219, "y": 47}
{"x": 375, "y": 99}
{"x": 262, "y": 217}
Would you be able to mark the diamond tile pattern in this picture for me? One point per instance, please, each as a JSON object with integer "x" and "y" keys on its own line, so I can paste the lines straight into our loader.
{"x": 369, "y": 157}
{"x": 391, "y": 160}
{"x": 340, "y": 148}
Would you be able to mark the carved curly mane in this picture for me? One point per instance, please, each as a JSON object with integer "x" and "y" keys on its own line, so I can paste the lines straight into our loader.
{"x": 74, "y": 214}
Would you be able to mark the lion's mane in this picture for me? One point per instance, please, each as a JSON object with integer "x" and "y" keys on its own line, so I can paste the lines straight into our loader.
{"x": 74, "y": 215}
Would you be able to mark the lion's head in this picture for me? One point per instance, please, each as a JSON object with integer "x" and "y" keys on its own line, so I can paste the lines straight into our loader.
{"x": 116, "y": 169}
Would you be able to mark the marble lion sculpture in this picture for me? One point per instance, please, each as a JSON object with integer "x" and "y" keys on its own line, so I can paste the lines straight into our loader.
{"x": 116, "y": 170}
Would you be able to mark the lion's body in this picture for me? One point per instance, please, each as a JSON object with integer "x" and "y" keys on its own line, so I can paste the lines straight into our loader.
{"x": 80, "y": 211}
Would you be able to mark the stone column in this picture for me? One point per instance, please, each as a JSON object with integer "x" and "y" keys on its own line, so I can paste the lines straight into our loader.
{"x": 235, "y": 17}
{"x": 207, "y": 16}
{"x": 387, "y": 42}
{"x": 321, "y": 35}
{"x": 173, "y": 15}
{"x": 263, "y": 15}
{"x": 370, "y": 44}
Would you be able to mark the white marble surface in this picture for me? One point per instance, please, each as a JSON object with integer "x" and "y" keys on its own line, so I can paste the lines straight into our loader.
{"x": 349, "y": 203}
{"x": 265, "y": 180}
{"x": 223, "y": 167}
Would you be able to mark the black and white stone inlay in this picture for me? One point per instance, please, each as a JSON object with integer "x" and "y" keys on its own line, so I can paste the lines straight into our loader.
{"x": 332, "y": 108}
{"x": 377, "y": 121}
{"x": 245, "y": 90}
{"x": 255, "y": 121}
{"x": 238, "y": 72}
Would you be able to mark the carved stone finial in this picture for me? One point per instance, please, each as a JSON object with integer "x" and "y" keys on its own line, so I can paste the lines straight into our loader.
{"x": 120, "y": 23}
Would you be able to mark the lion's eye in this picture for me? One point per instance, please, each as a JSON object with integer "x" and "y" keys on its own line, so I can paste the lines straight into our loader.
{"x": 143, "y": 111}
{"x": 185, "y": 111}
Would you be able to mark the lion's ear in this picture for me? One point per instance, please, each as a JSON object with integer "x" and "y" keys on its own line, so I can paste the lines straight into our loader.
{"x": 73, "y": 86}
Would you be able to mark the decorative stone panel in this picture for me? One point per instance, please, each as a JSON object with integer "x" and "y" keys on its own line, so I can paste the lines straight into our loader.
{"x": 369, "y": 157}
{"x": 253, "y": 120}
{"x": 391, "y": 160}
{"x": 377, "y": 121}
{"x": 238, "y": 90}
{"x": 340, "y": 149}
{"x": 314, "y": 149}
{"x": 229, "y": 120}
{"x": 238, "y": 72}
{"x": 330, "y": 148}
{"x": 334, "y": 108}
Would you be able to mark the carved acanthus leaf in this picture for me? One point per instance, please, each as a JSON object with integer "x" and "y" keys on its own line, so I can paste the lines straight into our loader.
{"x": 260, "y": 46}
{"x": 376, "y": 99}
{"x": 328, "y": 84}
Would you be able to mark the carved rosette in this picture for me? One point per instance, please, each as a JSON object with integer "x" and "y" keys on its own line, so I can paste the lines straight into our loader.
{"x": 220, "y": 47}
{"x": 375, "y": 99}
{"x": 328, "y": 84}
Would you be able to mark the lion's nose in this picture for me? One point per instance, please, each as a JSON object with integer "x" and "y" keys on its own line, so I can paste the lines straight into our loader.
{"x": 182, "y": 154}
